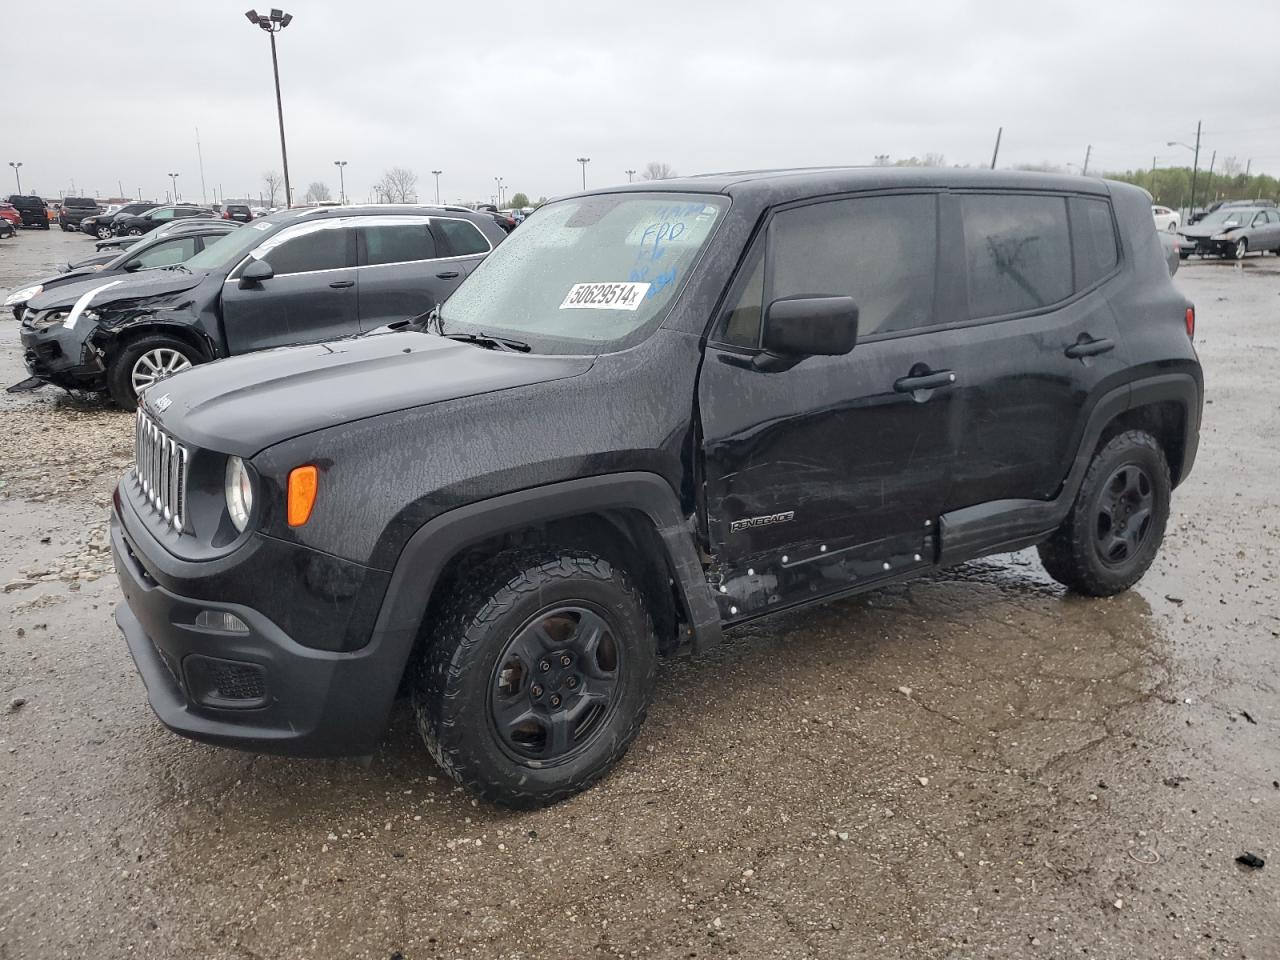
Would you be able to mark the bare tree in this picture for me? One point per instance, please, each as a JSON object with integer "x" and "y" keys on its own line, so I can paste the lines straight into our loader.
{"x": 273, "y": 182}
{"x": 657, "y": 170}
{"x": 1232, "y": 167}
{"x": 399, "y": 185}
{"x": 317, "y": 191}
{"x": 934, "y": 160}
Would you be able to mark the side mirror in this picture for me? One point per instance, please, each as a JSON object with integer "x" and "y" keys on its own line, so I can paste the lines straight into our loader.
{"x": 131, "y": 266}
{"x": 256, "y": 272}
{"x": 811, "y": 326}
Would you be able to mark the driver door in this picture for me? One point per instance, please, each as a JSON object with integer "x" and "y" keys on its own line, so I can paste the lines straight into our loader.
{"x": 833, "y": 470}
{"x": 311, "y": 296}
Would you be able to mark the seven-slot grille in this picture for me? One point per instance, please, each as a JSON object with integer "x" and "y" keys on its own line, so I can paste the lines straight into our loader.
{"x": 160, "y": 467}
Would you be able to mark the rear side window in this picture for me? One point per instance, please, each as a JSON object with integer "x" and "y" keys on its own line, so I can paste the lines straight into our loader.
{"x": 1093, "y": 240}
{"x": 397, "y": 243}
{"x": 167, "y": 253}
{"x": 1018, "y": 252}
{"x": 463, "y": 237}
{"x": 324, "y": 249}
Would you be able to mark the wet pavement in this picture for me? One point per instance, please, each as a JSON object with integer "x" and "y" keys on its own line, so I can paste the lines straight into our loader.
{"x": 976, "y": 765}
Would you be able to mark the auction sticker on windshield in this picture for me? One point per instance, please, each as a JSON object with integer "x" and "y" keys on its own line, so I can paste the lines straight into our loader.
{"x": 604, "y": 296}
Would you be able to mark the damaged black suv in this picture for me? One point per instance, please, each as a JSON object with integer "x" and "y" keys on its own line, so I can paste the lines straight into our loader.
{"x": 651, "y": 415}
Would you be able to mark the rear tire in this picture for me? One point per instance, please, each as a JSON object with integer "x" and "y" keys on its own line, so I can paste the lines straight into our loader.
{"x": 539, "y": 671}
{"x": 1117, "y": 522}
{"x": 151, "y": 357}
{"x": 135, "y": 232}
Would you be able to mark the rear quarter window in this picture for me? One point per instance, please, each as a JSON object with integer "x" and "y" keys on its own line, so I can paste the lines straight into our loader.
{"x": 1017, "y": 252}
{"x": 1093, "y": 240}
{"x": 463, "y": 237}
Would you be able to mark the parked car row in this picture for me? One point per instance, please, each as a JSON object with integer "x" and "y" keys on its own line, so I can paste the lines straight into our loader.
{"x": 218, "y": 289}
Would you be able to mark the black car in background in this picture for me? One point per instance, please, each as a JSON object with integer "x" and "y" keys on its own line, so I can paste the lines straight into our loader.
{"x": 237, "y": 211}
{"x": 149, "y": 253}
{"x": 99, "y": 225}
{"x": 34, "y": 211}
{"x": 110, "y": 249}
{"x": 74, "y": 210}
{"x": 135, "y": 225}
{"x": 297, "y": 276}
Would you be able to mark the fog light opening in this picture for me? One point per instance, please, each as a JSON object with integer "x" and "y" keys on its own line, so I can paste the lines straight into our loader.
{"x": 221, "y": 621}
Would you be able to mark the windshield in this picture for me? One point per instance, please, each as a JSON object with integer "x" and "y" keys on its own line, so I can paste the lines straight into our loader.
{"x": 1233, "y": 215}
{"x": 587, "y": 275}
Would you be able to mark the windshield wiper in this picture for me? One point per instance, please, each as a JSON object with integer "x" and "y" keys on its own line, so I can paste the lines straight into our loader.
{"x": 490, "y": 342}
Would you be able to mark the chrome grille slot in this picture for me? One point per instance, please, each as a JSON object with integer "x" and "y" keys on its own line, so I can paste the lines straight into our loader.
{"x": 160, "y": 469}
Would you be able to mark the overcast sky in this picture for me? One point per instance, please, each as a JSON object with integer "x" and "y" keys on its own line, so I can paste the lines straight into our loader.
{"x": 113, "y": 90}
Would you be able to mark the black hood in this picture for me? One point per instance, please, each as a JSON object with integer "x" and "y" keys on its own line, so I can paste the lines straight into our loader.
{"x": 244, "y": 404}
{"x": 130, "y": 286}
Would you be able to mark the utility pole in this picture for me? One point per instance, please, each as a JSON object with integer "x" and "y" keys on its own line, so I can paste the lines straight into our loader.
{"x": 436, "y": 174}
{"x": 119, "y": 188}
{"x": 1153, "y": 178}
{"x": 1195, "y": 168}
{"x": 1084, "y": 171}
{"x": 204, "y": 197}
{"x": 995, "y": 153}
{"x": 1208, "y": 187}
{"x": 1247, "y": 167}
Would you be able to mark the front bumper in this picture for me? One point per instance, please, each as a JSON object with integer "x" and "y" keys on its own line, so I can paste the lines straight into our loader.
{"x": 1205, "y": 247}
{"x": 61, "y": 357}
{"x": 259, "y": 690}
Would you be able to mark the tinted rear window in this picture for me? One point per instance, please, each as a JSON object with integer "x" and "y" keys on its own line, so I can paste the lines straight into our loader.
{"x": 1018, "y": 252}
{"x": 79, "y": 202}
{"x": 1093, "y": 240}
{"x": 463, "y": 236}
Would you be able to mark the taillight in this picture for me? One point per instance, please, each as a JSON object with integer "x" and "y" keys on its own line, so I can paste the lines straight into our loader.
{"x": 226, "y": 214}
{"x": 1191, "y": 322}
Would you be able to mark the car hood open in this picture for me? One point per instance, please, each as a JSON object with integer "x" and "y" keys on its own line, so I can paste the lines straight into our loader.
{"x": 244, "y": 404}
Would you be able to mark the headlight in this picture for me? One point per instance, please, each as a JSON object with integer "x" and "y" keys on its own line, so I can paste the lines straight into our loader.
{"x": 23, "y": 295}
{"x": 44, "y": 321}
{"x": 239, "y": 488}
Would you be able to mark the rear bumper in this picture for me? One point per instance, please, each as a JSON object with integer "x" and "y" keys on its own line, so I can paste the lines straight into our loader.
{"x": 258, "y": 690}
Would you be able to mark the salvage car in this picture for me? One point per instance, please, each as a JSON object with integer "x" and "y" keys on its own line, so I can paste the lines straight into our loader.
{"x": 136, "y": 224}
{"x": 297, "y": 276}
{"x": 150, "y": 253}
{"x": 1233, "y": 231}
{"x": 654, "y": 413}
{"x": 100, "y": 225}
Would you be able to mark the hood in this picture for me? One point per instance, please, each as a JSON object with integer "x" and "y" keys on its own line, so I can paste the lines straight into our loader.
{"x": 132, "y": 286}
{"x": 1208, "y": 230}
{"x": 244, "y": 404}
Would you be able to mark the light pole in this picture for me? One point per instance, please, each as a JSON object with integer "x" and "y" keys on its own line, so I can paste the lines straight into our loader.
{"x": 630, "y": 174}
{"x": 342, "y": 180}
{"x": 174, "y": 178}
{"x": 1195, "y": 166}
{"x": 498, "y": 181}
{"x": 584, "y": 161}
{"x": 273, "y": 24}
{"x": 17, "y": 175}
{"x": 436, "y": 174}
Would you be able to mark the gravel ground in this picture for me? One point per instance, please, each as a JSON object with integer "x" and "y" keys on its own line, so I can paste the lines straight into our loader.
{"x": 976, "y": 765}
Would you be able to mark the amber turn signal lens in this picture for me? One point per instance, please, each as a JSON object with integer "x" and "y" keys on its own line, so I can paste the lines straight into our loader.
{"x": 303, "y": 483}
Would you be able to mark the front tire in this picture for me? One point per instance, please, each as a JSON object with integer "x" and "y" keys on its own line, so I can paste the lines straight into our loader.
{"x": 1240, "y": 249}
{"x": 146, "y": 361}
{"x": 1117, "y": 522}
{"x": 104, "y": 233}
{"x": 538, "y": 673}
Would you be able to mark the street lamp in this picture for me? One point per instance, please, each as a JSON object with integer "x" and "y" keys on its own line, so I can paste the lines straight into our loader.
{"x": 174, "y": 178}
{"x": 17, "y": 175}
{"x": 436, "y": 174}
{"x": 273, "y": 24}
{"x": 342, "y": 180}
{"x": 1195, "y": 166}
{"x": 584, "y": 161}
{"x": 498, "y": 180}
{"x": 630, "y": 174}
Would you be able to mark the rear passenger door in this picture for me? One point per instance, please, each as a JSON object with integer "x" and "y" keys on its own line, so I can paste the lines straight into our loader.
{"x": 311, "y": 297}
{"x": 398, "y": 276}
{"x": 1041, "y": 342}
{"x": 833, "y": 469}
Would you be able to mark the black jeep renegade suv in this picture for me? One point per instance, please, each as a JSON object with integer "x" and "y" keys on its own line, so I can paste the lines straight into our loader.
{"x": 652, "y": 414}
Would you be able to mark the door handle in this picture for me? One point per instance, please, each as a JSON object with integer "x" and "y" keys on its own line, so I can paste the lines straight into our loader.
{"x": 1088, "y": 348}
{"x": 448, "y": 275}
{"x": 925, "y": 381}
{"x": 342, "y": 284}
